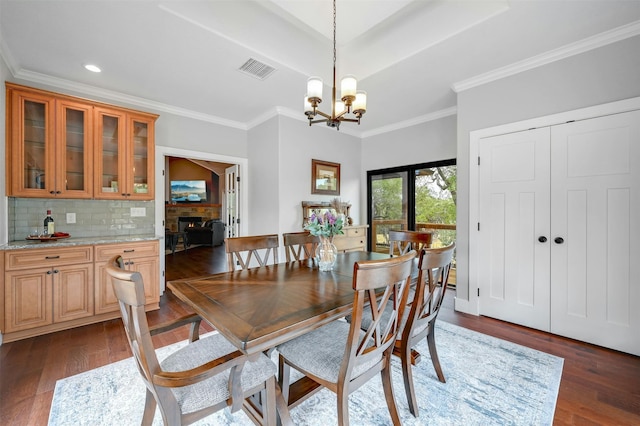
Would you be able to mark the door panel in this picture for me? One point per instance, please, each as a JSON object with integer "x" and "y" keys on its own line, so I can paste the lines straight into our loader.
{"x": 595, "y": 176}
{"x": 513, "y": 215}
{"x": 232, "y": 200}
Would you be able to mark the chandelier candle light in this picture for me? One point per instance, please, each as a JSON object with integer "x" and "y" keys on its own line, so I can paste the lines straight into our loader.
{"x": 352, "y": 101}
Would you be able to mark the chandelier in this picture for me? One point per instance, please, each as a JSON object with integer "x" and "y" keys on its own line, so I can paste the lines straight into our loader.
{"x": 352, "y": 101}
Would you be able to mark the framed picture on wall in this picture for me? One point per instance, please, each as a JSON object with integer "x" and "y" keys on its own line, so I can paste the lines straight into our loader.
{"x": 325, "y": 177}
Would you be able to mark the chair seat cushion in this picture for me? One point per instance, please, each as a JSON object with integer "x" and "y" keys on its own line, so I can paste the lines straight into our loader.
{"x": 216, "y": 389}
{"x": 321, "y": 351}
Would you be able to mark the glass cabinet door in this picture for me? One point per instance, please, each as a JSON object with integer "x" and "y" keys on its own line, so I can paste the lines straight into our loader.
{"x": 32, "y": 152}
{"x": 74, "y": 166}
{"x": 110, "y": 144}
{"x": 141, "y": 157}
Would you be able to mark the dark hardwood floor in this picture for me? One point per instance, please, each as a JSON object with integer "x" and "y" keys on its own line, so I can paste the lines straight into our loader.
{"x": 598, "y": 387}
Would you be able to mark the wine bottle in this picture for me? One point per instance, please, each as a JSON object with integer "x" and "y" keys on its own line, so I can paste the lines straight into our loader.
{"x": 48, "y": 224}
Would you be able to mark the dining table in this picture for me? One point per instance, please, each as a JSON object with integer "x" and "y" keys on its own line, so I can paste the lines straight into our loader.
{"x": 259, "y": 308}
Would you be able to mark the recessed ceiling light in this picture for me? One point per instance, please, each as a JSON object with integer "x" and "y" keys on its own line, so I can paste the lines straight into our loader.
{"x": 92, "y": 68}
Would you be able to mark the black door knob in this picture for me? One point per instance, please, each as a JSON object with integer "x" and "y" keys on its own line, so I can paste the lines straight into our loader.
{"x": 542, "y": 239}
{"x": 559, "y": 240}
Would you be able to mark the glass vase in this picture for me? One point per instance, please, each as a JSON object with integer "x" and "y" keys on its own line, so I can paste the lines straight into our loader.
{"x": 326, "y": 254}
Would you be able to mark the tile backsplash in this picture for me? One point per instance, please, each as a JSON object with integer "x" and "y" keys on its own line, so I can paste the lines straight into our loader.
{"x": 94, "y": 218}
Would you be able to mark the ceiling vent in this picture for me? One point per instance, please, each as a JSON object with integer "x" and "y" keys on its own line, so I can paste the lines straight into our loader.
{"x": 256, "y": 69}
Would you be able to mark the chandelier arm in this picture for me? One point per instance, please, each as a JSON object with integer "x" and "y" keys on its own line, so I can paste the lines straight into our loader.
{"x": 319, "y": 121}
{"x": 318, "y": 112}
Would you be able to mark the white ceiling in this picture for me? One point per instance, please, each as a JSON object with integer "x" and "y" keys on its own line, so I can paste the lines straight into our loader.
{"x": 409, "y": 55}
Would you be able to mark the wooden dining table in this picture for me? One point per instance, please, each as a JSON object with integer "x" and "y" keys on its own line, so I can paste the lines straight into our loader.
{"x": 259, "y": 308}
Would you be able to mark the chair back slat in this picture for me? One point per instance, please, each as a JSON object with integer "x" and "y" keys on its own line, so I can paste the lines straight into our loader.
{"x": 300, "y": 245}
{"x": 392, "y": 277}
{"x": 241, "y": 250}
{"x": 434, "y": 268}
{"x": 400, "y": 242}
{"x": 129, "y": 290}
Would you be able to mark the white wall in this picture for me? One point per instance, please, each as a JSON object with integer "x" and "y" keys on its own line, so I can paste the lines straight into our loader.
{"x": 299, "y": 144}
{"x": 603, "y": 75}
{"x": 264, "y": 172}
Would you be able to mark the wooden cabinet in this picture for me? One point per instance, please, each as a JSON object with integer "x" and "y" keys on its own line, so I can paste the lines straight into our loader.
{"x": 124, "y": 155}
{"x": 44, "y": 287}
{"x": 353, "y": 239}
{"x": 66, "y": 147}
{"x": 52, "y": 289}
{"x": 49, "y": 148}
{"x": 141, "y": 257}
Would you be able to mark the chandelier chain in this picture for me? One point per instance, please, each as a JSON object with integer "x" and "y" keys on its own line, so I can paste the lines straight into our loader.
{"x": 334, "y": 33}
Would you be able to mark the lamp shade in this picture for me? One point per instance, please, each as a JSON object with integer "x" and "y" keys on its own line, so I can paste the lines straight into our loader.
{"x": 339, "y": 107}
{"x": 360, "y": 104}
{"x": 314, "y": 87}
{"x": 348, "y": 86}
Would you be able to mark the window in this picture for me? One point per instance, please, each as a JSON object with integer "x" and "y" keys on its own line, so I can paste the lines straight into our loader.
{"x": 419, "y": 197}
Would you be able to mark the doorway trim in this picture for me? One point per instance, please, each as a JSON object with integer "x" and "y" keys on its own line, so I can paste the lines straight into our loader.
{"x": 471, "y": 306}
{"x": 160, "y": 191}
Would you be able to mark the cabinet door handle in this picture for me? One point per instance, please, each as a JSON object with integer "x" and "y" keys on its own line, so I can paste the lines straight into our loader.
{"x": 52, "y": 257}
{"x": 49, "y": 272}
{"x": 559, "y": 240}
{"x": 52, "y": 192}
{"x": 55, "y": 271}
{"x": 542, "y": 239}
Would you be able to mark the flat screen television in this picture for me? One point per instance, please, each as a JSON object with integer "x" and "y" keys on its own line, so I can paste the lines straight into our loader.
{"x": 188, "y": 191}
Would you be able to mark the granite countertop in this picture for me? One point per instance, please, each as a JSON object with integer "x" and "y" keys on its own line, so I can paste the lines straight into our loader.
{"x": 70, "y": 242}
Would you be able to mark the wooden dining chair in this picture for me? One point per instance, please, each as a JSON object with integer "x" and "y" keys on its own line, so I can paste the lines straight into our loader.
{"x": 400, "y": 242}
{"x": 418, "y": 321}
{"x": 300, "y": 245}
{"x": 197, "y": 380}
{"x": 241, "y": 250}
{"x": 342, "y": 357}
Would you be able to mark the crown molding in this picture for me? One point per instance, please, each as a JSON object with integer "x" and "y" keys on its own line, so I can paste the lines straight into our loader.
{"x": 590, "y": 43}
{"x": 411, "y": 122}
{"x": 111, "y": 95}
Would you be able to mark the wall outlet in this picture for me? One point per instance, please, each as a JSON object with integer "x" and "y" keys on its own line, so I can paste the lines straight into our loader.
{"x": 138, "y": 211}
{"x": 71, "y": 218}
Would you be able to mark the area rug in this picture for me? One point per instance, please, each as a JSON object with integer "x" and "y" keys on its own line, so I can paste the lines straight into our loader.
{"x": 489, "y": 382}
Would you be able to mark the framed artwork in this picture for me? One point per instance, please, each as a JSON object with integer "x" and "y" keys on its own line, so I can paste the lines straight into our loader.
{"x": 325, "y": 177}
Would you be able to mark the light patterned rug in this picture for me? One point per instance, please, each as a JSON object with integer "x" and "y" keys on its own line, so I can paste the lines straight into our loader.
{"x": 489, "y": 382}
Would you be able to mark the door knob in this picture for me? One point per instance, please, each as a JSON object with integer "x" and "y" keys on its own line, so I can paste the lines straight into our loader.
{"x": 542, "y": 239}
{"x": 559, "y": 240}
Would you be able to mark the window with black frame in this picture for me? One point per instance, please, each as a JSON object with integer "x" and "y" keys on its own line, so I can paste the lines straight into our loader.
{"x": 419, "y": 197}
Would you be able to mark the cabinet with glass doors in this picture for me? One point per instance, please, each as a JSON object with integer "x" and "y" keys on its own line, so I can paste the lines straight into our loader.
{"x": 49, "y": 148}
{"x": 124, "y": 154}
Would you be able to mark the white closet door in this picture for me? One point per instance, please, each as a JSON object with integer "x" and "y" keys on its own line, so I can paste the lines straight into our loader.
{"x": 514, "y": 223}
{"x": 595, "y": 209}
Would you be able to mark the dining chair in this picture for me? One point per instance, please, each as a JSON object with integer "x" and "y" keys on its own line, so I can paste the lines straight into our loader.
{"x": 300, "y": 245}
{"x": 400, "y": 242}
{"x": 421, "y": 312}
{"x": 197, "y": 380}
{"x": 241, "y": 250}
{"x": 342, "y": 357}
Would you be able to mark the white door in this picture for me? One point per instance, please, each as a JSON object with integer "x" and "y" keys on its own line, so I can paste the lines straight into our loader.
{"x": 514, "y": 227}
{"x": 595, "y": 209}
{"x": 232, "y": 200}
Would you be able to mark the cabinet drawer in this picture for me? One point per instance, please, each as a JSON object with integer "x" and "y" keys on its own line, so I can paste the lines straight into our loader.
{"x": 105, "y": 252}
{"x": 22, "y": 259}
{"x": 349, "y": 243}
{"x": 355, "y": 232}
